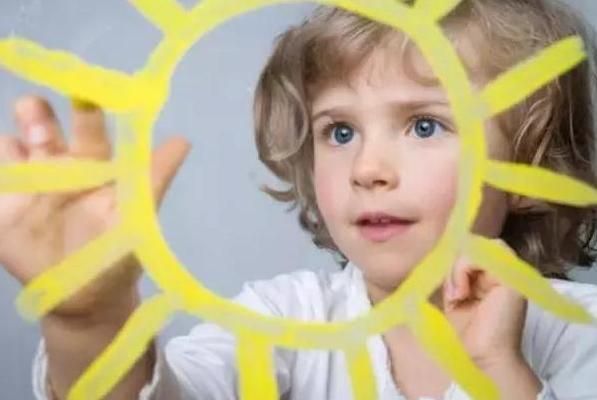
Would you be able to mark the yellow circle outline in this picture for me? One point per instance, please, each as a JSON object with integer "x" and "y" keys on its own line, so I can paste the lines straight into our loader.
{"x": 439, "y": 51}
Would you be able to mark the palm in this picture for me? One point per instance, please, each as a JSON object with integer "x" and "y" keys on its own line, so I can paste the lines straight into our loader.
{"x": 474, "y": 330}
{"x": 53, "y": 225}
{"x": 39, "y": 230}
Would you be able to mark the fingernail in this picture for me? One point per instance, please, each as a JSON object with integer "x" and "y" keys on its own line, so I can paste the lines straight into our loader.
{"x": 83, "y": 105}
{"x": 37, "y": 135}
{"x": 451, "y": 291}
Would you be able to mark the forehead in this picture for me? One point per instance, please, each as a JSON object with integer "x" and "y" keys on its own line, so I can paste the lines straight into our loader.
{"x": 386, "y": 76}
{"x": 399, "y": 63}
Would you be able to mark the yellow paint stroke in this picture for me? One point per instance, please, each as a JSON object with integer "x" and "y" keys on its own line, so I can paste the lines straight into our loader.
{"x": 360, "y": 370}
{"x": 128, "y": 346}
{"x": 540, "y": 183}
{"x": 138, "y": 99}
{"x": 503, "y": 264}
{"x": 447, "y": 349}
{"x": 519, "y": 82}
{"x": 256, "y": 368}
{"x": 62, "y": 281}
{"x": 164, "y": 14}
{"x": 65, "y": 176}
{"x": 65, "y": 73}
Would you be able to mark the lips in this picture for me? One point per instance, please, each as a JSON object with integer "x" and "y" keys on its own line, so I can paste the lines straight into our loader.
{"x": 378, "y": 218}
{"x": 381, "y": 226}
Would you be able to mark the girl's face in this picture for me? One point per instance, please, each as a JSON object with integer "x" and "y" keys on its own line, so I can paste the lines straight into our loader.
{"x": 386, "y": 168}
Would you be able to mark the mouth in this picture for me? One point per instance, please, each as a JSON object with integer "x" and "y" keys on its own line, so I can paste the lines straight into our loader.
{"x": 380, "y": 227}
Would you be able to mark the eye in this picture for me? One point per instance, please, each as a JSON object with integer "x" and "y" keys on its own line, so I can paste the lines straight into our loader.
{"x": 339, "y": 132}
{"x": 425, "y": 127}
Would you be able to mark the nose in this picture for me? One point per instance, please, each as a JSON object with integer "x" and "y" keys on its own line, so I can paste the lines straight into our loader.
{"x": 373, "y": 168}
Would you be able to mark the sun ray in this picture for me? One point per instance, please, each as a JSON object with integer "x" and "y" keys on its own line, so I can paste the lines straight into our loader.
{"x": 50, "y": 288}
{"x": 539, "y": 183}
{"x": 167, "y": 15}
{"x": 64, "y": 176}
{"x": 360, "y": 370}
{"x": 128, "y": 346}
{"x": 501, "y": 262}
{"x": 447, "y": 349}
{"x": 436, "y": 9}
{"x": 69, "y": 75}
{"x": 506, "y": 90}
{"x": 256, "y": 368}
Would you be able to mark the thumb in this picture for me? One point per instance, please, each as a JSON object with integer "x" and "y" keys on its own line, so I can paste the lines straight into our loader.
{"x": 167, "y": 159}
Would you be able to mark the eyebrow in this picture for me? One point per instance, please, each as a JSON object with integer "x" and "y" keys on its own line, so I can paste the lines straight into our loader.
{"x": 407, "y": 106}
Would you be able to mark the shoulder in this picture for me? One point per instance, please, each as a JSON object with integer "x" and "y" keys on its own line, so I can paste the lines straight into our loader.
{"x": 547, "y": 330}
{"x": 583, "y": 293}
{"x": 304, "y": 294}
{"x": 562, "y": 352}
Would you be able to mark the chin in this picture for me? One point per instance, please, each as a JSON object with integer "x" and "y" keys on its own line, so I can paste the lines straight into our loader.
{"x": 385, "y": 271}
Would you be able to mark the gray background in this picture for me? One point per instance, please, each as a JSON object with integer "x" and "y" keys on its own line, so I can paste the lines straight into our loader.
{"x": 215, "y": 218}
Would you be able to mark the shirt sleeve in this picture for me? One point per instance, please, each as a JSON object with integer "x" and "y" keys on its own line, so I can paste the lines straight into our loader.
{"x": 564, "y": 355}
{"x": 202, "y": 365}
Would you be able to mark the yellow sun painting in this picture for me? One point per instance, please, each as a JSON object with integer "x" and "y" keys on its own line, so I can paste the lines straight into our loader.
{"x": 137, "y": 99}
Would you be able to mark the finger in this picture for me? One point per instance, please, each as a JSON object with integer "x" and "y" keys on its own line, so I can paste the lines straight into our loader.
{"x": 38, "y": 127}
{"x": 460, "y": 280}
{"x": 11, "y": 149}
{"x": 450, "y": 291}
{"x": 90, "y": 137}
{"x": 167, "y": 160}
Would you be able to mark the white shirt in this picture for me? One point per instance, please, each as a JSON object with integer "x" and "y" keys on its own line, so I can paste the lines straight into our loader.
{"x": 202, "y": 364}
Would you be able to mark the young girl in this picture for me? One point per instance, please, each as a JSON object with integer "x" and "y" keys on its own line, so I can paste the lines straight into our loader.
{"x": 350, "y": 115}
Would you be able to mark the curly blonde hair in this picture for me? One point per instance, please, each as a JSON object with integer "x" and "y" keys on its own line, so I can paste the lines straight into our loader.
{"x": 554, "y": 128}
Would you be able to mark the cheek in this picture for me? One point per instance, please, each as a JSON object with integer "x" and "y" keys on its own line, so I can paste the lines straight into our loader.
{"x": 324, "y": 193}
{"x": 326, "y": 182}
{"x": 446, "y": 188}
{"x": 437, "y": 185}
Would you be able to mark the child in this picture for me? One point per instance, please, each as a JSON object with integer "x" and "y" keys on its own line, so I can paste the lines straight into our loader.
{"x": 350, "y": 115}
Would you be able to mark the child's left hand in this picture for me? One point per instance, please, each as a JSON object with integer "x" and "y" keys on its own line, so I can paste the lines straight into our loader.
{"x": 488, "y": 316}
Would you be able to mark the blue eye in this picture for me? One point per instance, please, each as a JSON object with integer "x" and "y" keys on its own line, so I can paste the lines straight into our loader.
{"x": 341, "y": 133}
{"x": 425, "y": 127}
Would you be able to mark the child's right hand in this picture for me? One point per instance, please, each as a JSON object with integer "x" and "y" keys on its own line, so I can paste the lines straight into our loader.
{"x": 39, "y": 230}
